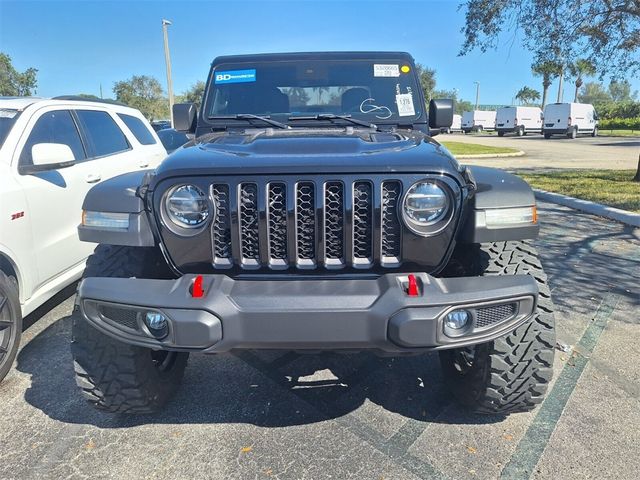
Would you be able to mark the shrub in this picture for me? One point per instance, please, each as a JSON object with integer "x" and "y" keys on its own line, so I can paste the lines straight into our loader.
{"x": 620, "y": 123}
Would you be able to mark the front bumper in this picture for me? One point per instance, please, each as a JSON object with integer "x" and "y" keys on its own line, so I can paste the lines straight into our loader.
{"x": 341, "y": 314}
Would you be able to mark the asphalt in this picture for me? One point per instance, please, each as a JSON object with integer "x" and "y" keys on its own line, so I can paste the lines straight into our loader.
{"x": 286, "y": 416}
{"x": 556, "y": 152}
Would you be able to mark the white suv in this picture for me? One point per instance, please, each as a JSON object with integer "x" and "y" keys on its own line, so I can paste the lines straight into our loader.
{"x": 51, "y": 153}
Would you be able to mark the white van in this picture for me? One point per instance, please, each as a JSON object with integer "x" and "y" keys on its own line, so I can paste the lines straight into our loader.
{"x": 478, "y": 120}
{"x": 52, "y": 151}
{"x": 456, "y": 125}
{"x": 518, "y": 120}
{"x": 570, "y": 119}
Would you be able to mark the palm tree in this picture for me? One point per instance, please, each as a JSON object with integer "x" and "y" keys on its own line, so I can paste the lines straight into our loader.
{"x": 527, "y": 95}
{"x": 548, "y": 70}
{"x": 581, "y": 68}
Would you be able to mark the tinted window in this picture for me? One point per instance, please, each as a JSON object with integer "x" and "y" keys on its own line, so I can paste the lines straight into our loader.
{"x": 7, "y": 118}
{"x": 54, "y": 127}
{"x": 103, "y": 134}
{"x": 138, "y": 128}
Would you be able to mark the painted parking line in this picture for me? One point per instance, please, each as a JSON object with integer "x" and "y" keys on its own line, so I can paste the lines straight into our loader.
{"x": 532, "y": 445}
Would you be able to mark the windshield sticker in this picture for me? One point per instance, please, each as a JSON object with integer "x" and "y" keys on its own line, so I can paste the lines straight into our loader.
{"x": 367, "y": 106}
{"x": 386, "y": 70}
{"x": 405, "y": 69}
{"x": 236, "y": 76}
{"x": 405, "y": 105}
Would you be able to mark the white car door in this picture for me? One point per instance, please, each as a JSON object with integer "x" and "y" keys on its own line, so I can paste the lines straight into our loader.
{"x": 55, "y": 196}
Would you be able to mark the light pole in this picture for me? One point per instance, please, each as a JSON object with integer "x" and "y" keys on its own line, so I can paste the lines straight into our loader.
{"x": 477, "y": 93}
{"x": 167, "y": 59}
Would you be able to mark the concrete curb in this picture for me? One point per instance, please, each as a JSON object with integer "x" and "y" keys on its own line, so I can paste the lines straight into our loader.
{"x": 519, "y": 153}
{"x": 593, "y": 208}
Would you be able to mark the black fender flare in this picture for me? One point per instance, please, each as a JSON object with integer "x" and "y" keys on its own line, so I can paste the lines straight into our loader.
{"x": 496, "y": 189}
{"x": 120, "y": 194}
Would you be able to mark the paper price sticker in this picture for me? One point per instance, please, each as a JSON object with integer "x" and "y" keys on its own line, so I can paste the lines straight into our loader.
{"x": 386, "y": 70}
{"x": 404, "y": 101}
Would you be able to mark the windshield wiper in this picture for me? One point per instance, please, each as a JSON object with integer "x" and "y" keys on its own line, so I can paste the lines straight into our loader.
{"x": 333, "y": 116}
{"x": 250, "y": 116}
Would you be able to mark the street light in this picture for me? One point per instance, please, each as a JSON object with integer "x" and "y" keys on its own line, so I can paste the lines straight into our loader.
{"x": 477, "y": 93}
{"x": 167, "y": 59}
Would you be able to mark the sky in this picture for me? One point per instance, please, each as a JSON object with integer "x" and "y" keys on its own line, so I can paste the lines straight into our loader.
{"x": 77, "y": 46}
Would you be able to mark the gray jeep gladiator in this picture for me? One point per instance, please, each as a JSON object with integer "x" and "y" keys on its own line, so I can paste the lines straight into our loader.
{"x": 313, "y": 211}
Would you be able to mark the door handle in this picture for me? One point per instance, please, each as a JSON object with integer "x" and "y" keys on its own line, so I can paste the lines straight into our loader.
{"x": 144, "y": 164}
{"x": 93, "y": 178}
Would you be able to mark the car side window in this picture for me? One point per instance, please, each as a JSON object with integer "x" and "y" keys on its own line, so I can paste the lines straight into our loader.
{"x": 54, "y": 127}
{"x": 138, "y": 128}
{"x": 103, "y": 135}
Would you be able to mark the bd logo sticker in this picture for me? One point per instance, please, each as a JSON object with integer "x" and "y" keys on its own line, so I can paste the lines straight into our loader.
{"x": 235, "y": 76}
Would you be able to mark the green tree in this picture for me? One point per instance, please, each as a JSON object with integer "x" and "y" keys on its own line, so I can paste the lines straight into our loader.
{"x": 620, "y": 91}
{"x": 594, "y": 93}
{"x": 579, "y": 69}
{"x": 604, "y": 32}
{"x": 427, "y": 78}
{"x": 144, "y": 93}
{"x": 14, "y": 83}
{"x": 193, "y": 94}
{"x": 548, "y": 70}
{"x": 527, "y": 95}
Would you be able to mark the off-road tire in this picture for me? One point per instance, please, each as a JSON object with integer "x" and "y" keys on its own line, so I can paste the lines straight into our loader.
{"x": 114, "y": 376}
{"x": 10, "y": 323}
{"x": 509, "y": 374}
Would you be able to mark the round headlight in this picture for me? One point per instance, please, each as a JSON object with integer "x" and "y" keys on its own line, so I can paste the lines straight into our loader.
{"x": 187, "y": 206}
{"x": 425, "y": 203}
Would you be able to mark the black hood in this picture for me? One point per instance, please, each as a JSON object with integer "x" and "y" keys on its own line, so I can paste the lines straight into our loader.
{"x": 306, "y": 150}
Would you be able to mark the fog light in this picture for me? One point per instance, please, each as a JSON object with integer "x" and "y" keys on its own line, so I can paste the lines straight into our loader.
{"x": 457, "y": 319}
{"x": 156, "y": 323}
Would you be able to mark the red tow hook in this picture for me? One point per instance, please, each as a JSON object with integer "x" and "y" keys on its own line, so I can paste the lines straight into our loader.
{"x": 412, "y": 287}
{"x": 196, "y": 289}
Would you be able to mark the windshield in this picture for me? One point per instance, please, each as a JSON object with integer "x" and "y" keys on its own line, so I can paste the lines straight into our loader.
{"x": 375, "y": 91}
{"x": 7, "y": 118}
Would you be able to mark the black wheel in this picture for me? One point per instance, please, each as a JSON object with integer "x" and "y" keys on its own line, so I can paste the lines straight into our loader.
{"x": 479, "y": 129}
{"x": 509, "y": 374}
{"x": 112, "y": 375}
{"x": 547, "y": 136}
{"x": 595, "y": 132}
{"x": 10, "y": 323}
{"x": 573, "y": 133}
{"x": 521, "y": 131}
{"x": 501, "y": 134}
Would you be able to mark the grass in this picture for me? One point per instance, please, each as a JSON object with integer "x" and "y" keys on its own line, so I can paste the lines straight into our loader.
{"x": 609, "y": 187}
{"x": 460, "y": 148}
{"x": 619, "y": 133}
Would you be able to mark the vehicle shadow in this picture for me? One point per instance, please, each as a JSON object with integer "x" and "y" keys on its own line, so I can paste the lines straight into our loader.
{"x": 264, "y": 388}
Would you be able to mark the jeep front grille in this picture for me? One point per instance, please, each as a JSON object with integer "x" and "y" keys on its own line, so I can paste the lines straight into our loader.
{"x": 306, "y": 224}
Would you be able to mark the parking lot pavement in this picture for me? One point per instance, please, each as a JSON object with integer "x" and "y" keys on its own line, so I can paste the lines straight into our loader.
{"x": 282, "y": 415}
{"x": 556, "y": 152}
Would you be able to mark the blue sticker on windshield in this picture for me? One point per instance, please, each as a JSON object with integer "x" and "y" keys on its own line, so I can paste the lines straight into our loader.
{"x": 236, "y": 76}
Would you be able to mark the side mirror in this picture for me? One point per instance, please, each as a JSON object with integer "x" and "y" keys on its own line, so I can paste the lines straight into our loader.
{"x": 48, "y": 156}
{"x": 440, "y": 113}
{"x": 185, "y": 116}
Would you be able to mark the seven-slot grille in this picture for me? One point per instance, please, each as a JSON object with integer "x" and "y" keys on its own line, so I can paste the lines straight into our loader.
{"x": 306, "y": 224}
